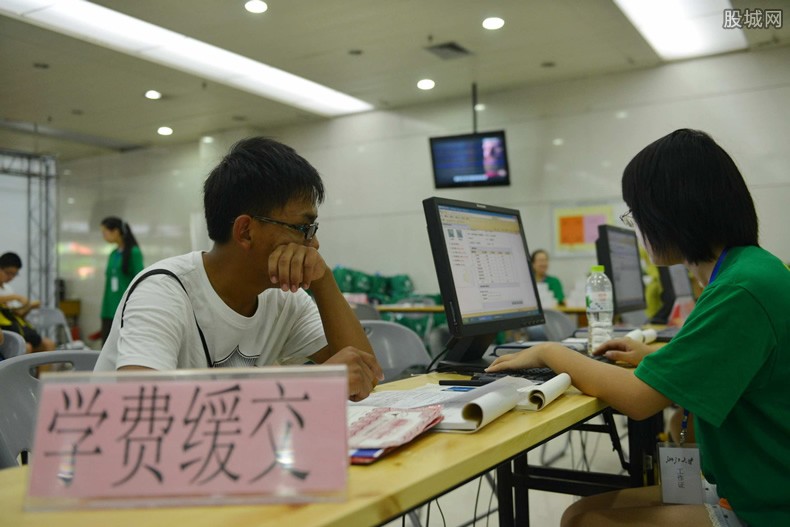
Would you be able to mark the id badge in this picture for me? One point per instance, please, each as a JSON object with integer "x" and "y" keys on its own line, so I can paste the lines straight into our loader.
{"x": 114, "y": 284}
{"x": 681, "y": 475}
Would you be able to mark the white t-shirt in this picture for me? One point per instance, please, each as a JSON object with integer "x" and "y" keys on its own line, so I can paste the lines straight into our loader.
{"x": 159, "y": 328}
{"x": 7, "y": 290}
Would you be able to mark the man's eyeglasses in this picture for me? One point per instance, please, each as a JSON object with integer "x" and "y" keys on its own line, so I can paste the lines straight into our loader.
{"x": 628, "y": 219}
{"x": 307, "y": 229}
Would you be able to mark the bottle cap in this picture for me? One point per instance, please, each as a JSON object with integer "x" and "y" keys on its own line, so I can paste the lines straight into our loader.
{"x": 597, "y": 269}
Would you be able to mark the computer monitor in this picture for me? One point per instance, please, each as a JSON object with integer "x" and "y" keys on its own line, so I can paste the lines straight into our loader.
{"x": 675, "y": 285}
{"x": 485, "y": 277}
{"x": 470, "y": 160}
{"x": 675, "y": 279}
{"x": 618, "y": 251}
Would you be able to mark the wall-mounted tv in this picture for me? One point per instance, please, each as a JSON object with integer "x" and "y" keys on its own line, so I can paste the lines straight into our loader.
{"x": 470, "y": 160}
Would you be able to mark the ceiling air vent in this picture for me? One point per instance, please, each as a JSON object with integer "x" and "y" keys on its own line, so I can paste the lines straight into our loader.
{"x": 449, "y": 50}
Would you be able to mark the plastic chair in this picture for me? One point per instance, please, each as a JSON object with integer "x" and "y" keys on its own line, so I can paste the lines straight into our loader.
{"x": 558, "y": 326}
{"x": 365, "y": 312}
{"x": 418, "y": 318}
{"x": 399, "y": 350}
{"x": 19, "y": 391}
{"x": 52, "y": 323}
{"x": 13, "y": 345}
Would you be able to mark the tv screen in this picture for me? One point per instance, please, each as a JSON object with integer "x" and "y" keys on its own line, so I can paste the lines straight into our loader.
{"x": 470, "y": 160}
{"x": 482, "y": 264}
{"x": 618, "y": 251}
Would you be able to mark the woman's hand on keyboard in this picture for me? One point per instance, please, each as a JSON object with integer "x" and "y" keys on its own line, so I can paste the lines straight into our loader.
{"x": 624, "y": 350}
{"x": 526, "y": 358}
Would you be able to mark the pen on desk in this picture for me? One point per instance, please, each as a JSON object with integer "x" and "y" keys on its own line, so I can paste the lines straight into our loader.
{"x": 445, "y": 382}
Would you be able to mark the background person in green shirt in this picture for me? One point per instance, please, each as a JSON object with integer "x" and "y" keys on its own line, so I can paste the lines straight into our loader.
{"x": 540, "y": 266}
{"x": 123, "y": 264}
{"x": 729, "y": 365}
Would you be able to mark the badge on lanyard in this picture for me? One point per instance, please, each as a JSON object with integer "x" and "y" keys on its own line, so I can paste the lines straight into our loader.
{"x": 681, "y": 474}
{"x": 114, "y": 284}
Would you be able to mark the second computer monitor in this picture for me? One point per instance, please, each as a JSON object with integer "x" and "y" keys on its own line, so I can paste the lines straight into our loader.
{"x": 485, "y": 277}
{"x": 618, "y": 251}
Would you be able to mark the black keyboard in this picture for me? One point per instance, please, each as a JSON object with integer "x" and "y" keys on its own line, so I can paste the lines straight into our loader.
{"x": 666, "y": 334}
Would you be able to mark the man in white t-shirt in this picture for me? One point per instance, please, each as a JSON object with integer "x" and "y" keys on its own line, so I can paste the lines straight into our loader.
{"x": 244, "y": 303}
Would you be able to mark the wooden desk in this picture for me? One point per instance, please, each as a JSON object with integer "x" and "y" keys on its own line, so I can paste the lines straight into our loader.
{"x": 428, "y": 467}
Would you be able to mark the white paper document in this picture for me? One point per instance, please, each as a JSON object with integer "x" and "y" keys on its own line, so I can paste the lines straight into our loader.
{"x": 537, "y": 397}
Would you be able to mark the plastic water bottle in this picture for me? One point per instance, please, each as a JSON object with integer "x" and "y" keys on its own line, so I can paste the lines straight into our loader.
{"x": 600, "y": 308}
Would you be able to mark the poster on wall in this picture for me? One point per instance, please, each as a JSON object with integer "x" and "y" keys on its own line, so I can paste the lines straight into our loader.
{"x": 576, "y": 228}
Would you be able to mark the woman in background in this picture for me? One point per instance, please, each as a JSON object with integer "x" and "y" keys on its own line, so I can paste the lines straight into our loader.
{"x": 540, "y": 266}
{"x": 124, "y": 263}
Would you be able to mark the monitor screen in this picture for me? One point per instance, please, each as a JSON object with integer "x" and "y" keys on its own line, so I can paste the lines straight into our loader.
{"x": 470, "y": 160}
{"x": 485, "y": 277}
{"x": 618, "y": 251}
{"x": 677, "y": 280}
{"x": 675, "y": 284}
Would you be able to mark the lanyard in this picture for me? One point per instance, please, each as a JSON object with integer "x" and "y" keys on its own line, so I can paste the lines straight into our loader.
{"x": 685, "y": 423}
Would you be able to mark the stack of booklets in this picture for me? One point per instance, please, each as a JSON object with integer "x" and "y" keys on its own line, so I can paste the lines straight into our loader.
{"x": 389, "y": 419}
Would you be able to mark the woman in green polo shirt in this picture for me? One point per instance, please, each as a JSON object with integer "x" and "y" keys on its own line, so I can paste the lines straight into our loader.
{"x": 540, "y": 266}
{"x": 122, "y": 265}
{"x": 729, "y": 365}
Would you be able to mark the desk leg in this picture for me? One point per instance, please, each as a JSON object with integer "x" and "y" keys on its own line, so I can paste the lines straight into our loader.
{"x": 642, "y": 438}
{"x": 513, "y": 498}
{"x": 504, "y": 491}
{"x": 520, "y": 466}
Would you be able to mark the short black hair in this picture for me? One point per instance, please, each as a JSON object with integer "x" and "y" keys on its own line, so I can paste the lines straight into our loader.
{"x": 687, "y": 196}
{"x": 10, "y": 260}
{"x": 258, "y": 175}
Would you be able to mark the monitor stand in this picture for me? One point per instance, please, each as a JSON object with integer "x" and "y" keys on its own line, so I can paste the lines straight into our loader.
{"x": 467, "y": 355}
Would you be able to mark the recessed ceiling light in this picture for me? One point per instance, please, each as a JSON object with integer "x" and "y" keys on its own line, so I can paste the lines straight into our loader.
{"x": 165, "y": 130}
{"x": 256, "y": 6}
{"x": 426, "y": 84}
{"x": 493, "y": 22}
{"x": 70, "y": 201}
{"x": 558, "y": 142}
{"x": 101, "y": 26}
{"x": 207, "y": 139}
{"x": 622, "y": 114}
{"x": 153, "y": 95}
{"x": 479, "y": 107}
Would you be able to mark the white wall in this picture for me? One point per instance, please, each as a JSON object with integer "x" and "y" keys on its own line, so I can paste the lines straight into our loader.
{"x": 377, "y": 170}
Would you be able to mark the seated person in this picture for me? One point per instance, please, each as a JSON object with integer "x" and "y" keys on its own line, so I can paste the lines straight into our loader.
{"x": 14, "y": 307}
{"x": 245, "y": 302}
{"x": 730, "y": 363}
{"x": 540, "y": 266}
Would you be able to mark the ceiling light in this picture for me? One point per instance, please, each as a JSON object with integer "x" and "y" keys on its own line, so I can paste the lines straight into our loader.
{"x": 558, "y": 141}
{"x": 479, "y": 107}
{"x": 256, "y": 6}
{"x": 206, "y": 139}
{"x": 426, "y": 84}
{"x": 98, "y": 25}
{"x": 493, "y": 22}
{"x": 153, "y": 95}
{"x": 678, "y": 29}
{"x": 165, "y": 130}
